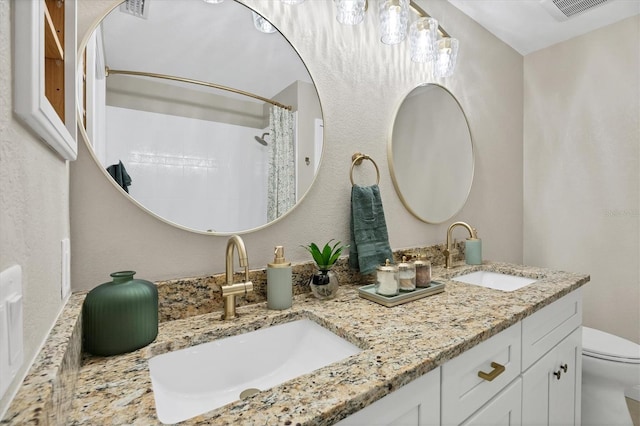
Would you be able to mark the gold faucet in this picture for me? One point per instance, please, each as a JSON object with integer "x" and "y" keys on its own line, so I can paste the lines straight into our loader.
{"x": 231, "y": 290}
{"x": 449, "y": 252}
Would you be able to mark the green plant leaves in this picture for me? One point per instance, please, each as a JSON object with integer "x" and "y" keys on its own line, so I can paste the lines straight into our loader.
{"x": 326, "y": 257}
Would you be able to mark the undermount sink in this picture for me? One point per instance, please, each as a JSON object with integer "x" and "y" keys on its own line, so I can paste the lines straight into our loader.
{"x": 495, "y": 280}
{"x": 194, "y": 380}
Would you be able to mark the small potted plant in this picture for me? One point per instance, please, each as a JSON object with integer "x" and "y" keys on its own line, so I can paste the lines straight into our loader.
{"x": 324, "y": 283}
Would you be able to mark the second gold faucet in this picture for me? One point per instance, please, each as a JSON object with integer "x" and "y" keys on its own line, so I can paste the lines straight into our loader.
{"x": 449, "y": 252}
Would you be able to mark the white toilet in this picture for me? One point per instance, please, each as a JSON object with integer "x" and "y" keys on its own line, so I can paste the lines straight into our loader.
{"x": 610, "y": 365}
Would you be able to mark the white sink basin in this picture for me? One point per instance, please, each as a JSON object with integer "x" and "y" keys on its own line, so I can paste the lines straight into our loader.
{"x": 194, "y": 380}
{"x": 495, "y": 280}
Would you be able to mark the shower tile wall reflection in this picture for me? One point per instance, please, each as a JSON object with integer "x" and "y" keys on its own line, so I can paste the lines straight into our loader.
{"x": 181, "y": 168}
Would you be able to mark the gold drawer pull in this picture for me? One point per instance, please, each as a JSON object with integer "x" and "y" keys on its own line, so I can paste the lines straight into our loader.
{"x": 497, "y": 370}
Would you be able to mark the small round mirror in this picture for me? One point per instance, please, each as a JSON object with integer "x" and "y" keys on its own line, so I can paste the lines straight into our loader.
{"x": 431, "y": 154}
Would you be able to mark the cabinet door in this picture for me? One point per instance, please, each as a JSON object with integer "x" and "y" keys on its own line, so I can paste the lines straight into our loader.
{"x": 504, "y": 409}
{"x": 35, "y": 35}
{"x": 416, "y": 404}
{"x": 551, "y": 387}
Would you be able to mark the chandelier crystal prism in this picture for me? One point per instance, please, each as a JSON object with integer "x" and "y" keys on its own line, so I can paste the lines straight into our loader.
{"x": 447, "y": 56}
{"x": 350, "y": 12}
{"x": 262, "y": 24}
{"x": 394, "y": 17}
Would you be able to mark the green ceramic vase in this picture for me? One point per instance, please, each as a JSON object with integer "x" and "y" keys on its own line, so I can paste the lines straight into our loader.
{"x": 120, "y": 316}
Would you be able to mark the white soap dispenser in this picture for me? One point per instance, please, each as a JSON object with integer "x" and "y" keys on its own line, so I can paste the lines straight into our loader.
{"x": 279, "y": 282}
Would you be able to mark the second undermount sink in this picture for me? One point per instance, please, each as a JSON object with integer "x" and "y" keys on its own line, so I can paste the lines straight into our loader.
{"x": 495, "y": 280}
{"x": 194, "y": 380}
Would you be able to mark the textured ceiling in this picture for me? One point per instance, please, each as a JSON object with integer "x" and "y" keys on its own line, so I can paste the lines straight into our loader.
{"x": 527, "y": 26}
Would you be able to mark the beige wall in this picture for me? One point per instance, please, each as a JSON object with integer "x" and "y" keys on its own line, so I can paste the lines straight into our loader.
{"x": 582, "y": 169}
{"x": 34, "y": 212}
{"x": 361, "y": 83}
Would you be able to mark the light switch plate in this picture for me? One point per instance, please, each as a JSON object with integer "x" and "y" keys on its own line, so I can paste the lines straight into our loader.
{"x": 11, "y": 330}
{"x": 14, "y": 322}
{"x": 5, "y": 370}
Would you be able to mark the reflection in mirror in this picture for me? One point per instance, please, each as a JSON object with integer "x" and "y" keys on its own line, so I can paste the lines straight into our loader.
{"x": 195, "y": 154}
{"x": 431, "y": 154}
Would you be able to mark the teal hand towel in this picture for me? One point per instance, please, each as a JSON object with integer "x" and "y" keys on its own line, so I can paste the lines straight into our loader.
{"x": 120, "y": 175}
{"x": 369, "y": 238}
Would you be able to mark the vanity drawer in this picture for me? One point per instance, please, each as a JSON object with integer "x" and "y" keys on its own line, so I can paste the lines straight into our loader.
{"x": 546, "y": 328}
{"x": 463, "y": 391}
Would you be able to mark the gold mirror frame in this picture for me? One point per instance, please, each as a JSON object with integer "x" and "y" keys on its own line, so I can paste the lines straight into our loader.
{"x": 431, "y": 154}
{"x": 85, "y": 137}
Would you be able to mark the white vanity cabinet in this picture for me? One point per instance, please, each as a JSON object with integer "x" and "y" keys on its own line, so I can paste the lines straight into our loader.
{"x": 530, "y": 374}
{"x": 551, "y": 386}
{"x": 546, "y": 350}
{"x": 416, "y": 404}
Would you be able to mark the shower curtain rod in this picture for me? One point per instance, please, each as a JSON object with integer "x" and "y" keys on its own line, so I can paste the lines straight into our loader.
{"x": 109, "y": 71}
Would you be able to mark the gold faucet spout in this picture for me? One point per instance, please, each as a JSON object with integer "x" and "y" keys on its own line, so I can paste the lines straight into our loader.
{"x": 449, "y": 252}
{"x": 231, "y": 290}
{"x": 243, "y": 259}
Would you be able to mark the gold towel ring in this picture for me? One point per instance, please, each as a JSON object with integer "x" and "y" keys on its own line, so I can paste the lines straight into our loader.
{"x": 357, "y": 160}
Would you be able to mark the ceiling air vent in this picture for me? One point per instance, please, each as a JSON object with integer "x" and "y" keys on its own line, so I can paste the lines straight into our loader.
{"x": 562, "y": 10}
{"x": 139, "y": 8}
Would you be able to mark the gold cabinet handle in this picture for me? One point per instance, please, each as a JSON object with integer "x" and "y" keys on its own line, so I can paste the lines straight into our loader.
{"x": 497, "y": 370}
{"x": 557, "y": 374}
{"x": 564, "y": 367}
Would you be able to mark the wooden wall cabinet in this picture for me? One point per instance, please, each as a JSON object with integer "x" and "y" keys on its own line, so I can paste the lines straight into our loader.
{"x": 44, "y": 92}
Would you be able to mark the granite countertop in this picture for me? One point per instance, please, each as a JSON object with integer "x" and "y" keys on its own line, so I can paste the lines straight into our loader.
{"x": 117, "y": 390}
{"x": 64, "y": 386}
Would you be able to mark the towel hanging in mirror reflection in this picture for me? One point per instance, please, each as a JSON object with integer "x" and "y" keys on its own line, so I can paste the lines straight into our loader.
{"x": 120, "y": 175}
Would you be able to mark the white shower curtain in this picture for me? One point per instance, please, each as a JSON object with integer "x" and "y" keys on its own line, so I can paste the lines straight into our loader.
{"x": 282, "y": 163}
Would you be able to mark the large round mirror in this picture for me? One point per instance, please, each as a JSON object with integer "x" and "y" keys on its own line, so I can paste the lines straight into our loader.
{"x": 431, "y": 154}
{"x": 202, "y": 112}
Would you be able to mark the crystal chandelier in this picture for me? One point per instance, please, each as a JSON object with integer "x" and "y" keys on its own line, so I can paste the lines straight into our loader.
{"x": 428, "y": 42}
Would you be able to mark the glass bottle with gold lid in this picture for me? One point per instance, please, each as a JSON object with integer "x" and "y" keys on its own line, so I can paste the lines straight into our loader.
{"x": 406, "y": 275}
{"x": 423, "y": 271}
{"x": 387, "y": 279}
